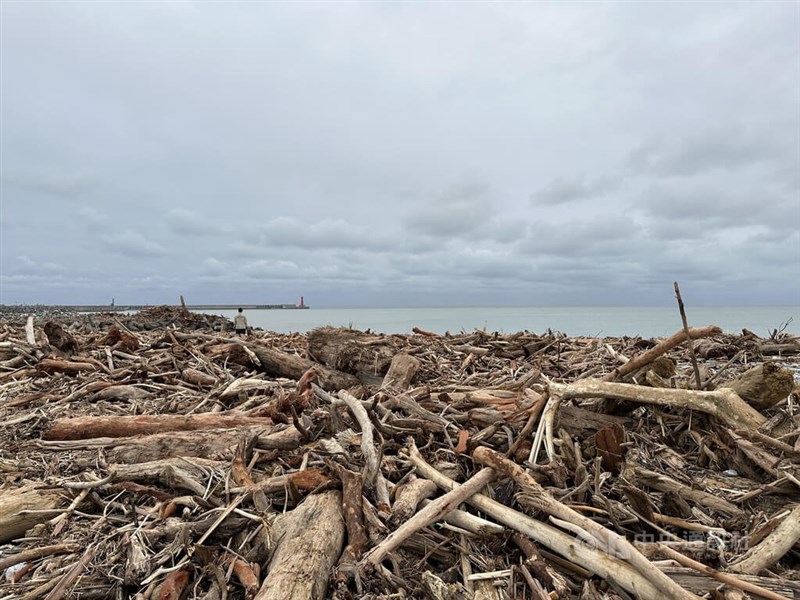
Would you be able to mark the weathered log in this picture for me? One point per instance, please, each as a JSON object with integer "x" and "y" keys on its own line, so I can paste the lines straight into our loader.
{"x": 79, "y": 428}
{"x": 351, "y": 351}
{"x": 198, "y": 377}
{"x": 401, "y": 372}
{"x": 408, "y": 496}
{"x": 772, "y": 548}
{"x": 129, "y": 393}
{"x": 19, "y": 506}
{"x": 282, "y": 364}
{"x": 722, "y": 403}
{"x": 763, "y": 386}
{"x": 308, "y": 541}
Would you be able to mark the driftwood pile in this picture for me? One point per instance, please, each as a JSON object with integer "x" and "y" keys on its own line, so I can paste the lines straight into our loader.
{"x": 179, "y": 462}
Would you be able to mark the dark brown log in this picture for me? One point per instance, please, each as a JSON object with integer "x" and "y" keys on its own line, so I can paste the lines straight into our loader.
{"x": 309, "y": 541}
{"x": 282, "y": 364}
{"x": 59, "y": 338}
{"x": 81, "y": 428}
{"x": 364, "y": 355}
{"x": 763, "y": 386}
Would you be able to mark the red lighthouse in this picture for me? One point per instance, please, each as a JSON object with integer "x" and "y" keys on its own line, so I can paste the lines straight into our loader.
{"x": 302, "y": 304}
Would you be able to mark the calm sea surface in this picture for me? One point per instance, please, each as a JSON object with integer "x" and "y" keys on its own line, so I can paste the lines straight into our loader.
{"x": 577, "y": 320}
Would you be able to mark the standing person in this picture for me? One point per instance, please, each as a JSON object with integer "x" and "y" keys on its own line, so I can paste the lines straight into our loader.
{"x": 240, "y": 323}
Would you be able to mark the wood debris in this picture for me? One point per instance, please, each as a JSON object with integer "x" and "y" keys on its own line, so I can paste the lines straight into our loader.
{"x": 156, "y": 456}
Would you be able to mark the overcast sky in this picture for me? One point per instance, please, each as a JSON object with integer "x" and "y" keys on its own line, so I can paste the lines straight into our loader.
{"x": 400, "y": 154}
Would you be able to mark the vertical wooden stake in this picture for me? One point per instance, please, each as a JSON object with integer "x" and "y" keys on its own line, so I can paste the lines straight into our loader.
{"x": 183, "y": 306}
{"x": 688, "y": 337}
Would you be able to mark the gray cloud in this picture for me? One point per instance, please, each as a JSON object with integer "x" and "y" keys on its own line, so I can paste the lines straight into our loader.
{"x": 374, "y": 153}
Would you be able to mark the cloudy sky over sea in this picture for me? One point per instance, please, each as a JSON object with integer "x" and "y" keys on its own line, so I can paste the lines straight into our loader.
{"x": 400, "y": 154}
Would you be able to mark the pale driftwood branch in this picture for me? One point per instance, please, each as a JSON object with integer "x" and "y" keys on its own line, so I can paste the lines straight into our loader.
{"x": 723, "y": 403}
{"x": 433, "y": 512}
{"x": 719, "y": 576}
{"x": 19, "y": 510}
{"x": 612, "y": 541}
{"x": 408, "y": 496}
{"x": 308, "y": 542}
{"x": 665, "y": 346}
{"x": 586, "y": 556}
{"x": 772, "y": 548}
{"x": 372, "y": 471}
{"x": 34, "y": 553}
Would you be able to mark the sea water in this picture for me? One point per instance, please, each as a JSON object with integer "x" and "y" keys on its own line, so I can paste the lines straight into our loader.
{"x": 650, "y": 321}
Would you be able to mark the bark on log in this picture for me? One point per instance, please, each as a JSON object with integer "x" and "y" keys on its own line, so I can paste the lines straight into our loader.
{"x": 401, "y": 372}
{"x": 763, "y": 386}
{"x": 14, "y": 522}
{"x": 308, "y": 542}
{"x": 723, "y": 403}
{"x": 51, "y": 365}
{"x": 361, "y": 354}
{"x": 80, "y": 428}
{"x": 662, "y": 348}
{"x": 282, "y": 364}
{"x": 198, "y": 377}
{"x": 408, "y": 497}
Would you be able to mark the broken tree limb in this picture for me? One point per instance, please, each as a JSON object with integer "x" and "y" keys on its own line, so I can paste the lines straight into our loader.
{"x": 580, "y": 553}
{"x": 723, "y": 403}
{"x": 614, "y": 543}
{"x": 663, "y": 347}
{"x": 434, "y": 511}
{"x": 772, "y": 548}
{"x": 308, "y": 542}
{"x": 78, "y": 428}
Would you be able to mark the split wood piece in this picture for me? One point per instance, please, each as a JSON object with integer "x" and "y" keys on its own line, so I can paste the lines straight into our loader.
{"x": 34, "y": 554}
{"x": 436, "y": 589}
{"x": 30, "y": 334}
{"x": 353, "y": 511}
{"x": 71, "y": 576}
{"x": 700, "y": 583}
{"x": 282, "y": 364}
{"x": 634, "y": 472}
{"x": 719, "y": 576}
{"x": 663, "y": 347}
{"x": 434, "y": 511}
{"x": 372, "y": 467}
{"x": 723, "y": 403}
{"x": 772, "y": 548}
{"x": 763, "y": 386}
{"x": 308, "y": 541}
{"x": 612, "y": 542}
{"x": 20, "y": 509}
{"x": 401, "y": 372}
{"x": 53, "y": 365}
{"x": 79, "y": 428}
{"x": 584, "y": 555}
{"x": 409, "y": 495}
{"x": 408, "y": 404}
{"x": 178, "y": 473}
